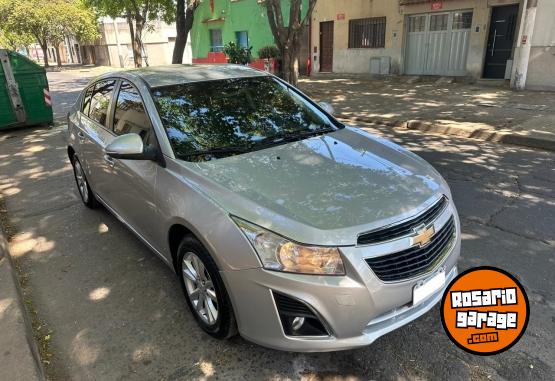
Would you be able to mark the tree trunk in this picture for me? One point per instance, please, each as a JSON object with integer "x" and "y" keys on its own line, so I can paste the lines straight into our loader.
{"x": 58, "y": 57}
{"x": 138, "y": 48}
{"x": 184, "y": 24}
{"x": 44, "y": 48}
{"x": 132, "y": 34}
{"x": 290, "y": 63}
{"x": 287, "y": 37}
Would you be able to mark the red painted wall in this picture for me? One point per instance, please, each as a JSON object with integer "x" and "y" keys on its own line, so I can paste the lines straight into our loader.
{"x": 220, "y": 58}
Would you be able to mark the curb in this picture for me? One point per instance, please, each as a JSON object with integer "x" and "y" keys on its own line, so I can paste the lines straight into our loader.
{"x": 504, "y": 137}
{"x": 19, "y": 352}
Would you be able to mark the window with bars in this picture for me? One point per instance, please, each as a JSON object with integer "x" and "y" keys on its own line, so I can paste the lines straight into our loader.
{"x": 462, "y": 20}
{"x": 367, "y": 33}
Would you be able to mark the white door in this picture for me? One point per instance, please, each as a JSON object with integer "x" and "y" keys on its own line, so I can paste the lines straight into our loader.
{"x": 437, "y": 43}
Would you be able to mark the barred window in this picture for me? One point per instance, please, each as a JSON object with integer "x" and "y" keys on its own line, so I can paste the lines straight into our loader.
{"x": 367, "y": 33}
{"x": 462, "y": 20}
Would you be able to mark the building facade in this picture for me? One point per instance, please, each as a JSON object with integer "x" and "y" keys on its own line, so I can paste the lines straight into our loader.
{"x": 468, "y": 38}
{"x": 70, "y": 52}
{"x": 114, "y": 46}
{"x": 245, "y": 22}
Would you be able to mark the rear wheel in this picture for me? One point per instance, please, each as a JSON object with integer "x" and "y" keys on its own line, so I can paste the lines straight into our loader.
{"x": 204, "y": 290}
{"x": 87, "y": 195}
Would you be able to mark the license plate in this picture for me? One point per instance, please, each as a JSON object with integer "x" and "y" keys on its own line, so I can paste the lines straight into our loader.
{"x": 430, "y": 286}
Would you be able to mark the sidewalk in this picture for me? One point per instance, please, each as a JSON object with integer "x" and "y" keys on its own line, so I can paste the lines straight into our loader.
{"x": 484, "y": 112}
{"x": 19, "y": 357}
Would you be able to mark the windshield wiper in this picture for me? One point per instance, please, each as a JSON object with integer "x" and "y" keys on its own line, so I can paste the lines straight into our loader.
{"x": 292, "y": 137}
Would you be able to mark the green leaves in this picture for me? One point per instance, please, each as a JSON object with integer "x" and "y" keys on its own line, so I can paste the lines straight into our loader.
{"x": 48, "y": 21}
{"x": 268, "y": 52}
{"x": 237, "y": 54}
{"x": 149, "y": 10}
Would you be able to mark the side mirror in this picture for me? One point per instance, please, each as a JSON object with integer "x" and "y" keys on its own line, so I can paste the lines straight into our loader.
{"x": 327, "y": 107}
{"x": 129, "y": 147}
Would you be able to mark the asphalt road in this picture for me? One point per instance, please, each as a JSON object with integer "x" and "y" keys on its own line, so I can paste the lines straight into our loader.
{"x": 116, "y": 312}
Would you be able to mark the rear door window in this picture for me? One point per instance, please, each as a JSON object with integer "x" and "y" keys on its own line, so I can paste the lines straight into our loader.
{"x": 100, "y": 101}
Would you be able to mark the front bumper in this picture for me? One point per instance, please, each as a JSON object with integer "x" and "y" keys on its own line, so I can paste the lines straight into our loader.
{"x": 356, "y": 309}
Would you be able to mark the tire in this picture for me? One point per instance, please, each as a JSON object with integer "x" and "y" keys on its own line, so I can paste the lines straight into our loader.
{"x": 204, "y": 289}
{"x": 85, "y": 191}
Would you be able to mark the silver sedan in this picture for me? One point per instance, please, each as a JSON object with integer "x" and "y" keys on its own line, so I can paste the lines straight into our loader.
{"x": 282, "y": 224}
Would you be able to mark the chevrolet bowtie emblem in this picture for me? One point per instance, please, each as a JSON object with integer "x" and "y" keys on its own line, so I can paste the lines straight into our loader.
{"x": 423, "y": 236}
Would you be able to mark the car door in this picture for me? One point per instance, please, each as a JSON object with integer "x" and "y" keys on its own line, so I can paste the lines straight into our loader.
{"x": 95, "y": 134}
{"x": 130, "y": 191}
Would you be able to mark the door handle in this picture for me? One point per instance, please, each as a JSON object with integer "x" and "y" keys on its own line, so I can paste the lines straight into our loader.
{"x": 493, "y": 45}
{"x": 109, "y": 160}
{"x": 81, "y": 136}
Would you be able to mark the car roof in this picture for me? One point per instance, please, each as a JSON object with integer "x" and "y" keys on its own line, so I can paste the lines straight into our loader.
{"x": 157, "y": 76}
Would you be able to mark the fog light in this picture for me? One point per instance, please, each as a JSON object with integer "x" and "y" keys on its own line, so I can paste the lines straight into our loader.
{"x": 297, "y": 319}
{"x": 297, "y": 323}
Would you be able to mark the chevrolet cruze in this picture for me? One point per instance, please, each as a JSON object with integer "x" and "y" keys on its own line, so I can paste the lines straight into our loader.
{"x": 282, "y": 224}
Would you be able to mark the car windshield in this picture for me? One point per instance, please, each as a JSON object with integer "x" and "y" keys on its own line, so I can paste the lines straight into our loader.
{"x": 214, "y": 119}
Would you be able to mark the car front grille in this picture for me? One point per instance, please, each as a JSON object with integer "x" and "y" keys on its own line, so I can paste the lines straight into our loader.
{"x": 416, "y": 260}
{"x": 404, "y": 228}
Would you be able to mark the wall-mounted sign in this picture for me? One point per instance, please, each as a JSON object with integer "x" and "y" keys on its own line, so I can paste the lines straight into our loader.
{"x": 437, "y": 5}
{"x": 341, "y": 16}
{"x": 524, "y": 39}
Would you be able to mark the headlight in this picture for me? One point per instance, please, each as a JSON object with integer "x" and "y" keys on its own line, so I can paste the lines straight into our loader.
{"x": 280, "y": 254}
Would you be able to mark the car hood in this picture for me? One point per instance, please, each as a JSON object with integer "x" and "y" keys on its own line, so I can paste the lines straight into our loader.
{"x": 324, "y": 190}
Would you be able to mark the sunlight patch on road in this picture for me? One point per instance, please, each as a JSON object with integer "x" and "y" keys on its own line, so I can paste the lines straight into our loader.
{"x": 11, "y": 191}
{"x": 25, "y": 243}
{"x": 99, "y": 293}
{"x": 146, "y": 354}
{"x": 83, "y": 350}
{"x": 5, "y": 304}
{"x": 206, "y": 368}
{"x": 103, "y": 228}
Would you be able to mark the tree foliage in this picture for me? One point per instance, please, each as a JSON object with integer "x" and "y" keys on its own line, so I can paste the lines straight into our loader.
{"x": 48, "y": 22}
{"x": 15, "y": 41}
{"x": 268, "y": 52}
{"x": 287, "y": 35}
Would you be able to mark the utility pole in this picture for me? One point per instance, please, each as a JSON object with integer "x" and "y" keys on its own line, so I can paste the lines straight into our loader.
{"x": 116, "y": 32}
{"x": 521, "y": 69}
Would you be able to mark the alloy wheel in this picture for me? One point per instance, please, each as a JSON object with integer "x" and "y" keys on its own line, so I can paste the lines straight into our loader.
{"x": 200, "y": 288}
{"x": 81, "y": 181}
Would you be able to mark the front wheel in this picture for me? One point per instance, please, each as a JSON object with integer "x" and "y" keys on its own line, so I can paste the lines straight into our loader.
{"x": 87, "y": 195}
{"x": 204, "y": 290}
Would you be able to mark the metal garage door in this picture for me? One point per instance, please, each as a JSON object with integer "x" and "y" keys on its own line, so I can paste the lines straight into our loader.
{"x": 437, "y": 43}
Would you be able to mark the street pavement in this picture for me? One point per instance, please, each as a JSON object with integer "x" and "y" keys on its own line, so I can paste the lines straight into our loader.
{"x": 490, "y": 113}
{"x": 114, "y": 311}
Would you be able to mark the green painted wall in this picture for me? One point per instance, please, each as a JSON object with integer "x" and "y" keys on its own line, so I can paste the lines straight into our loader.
{"x": 239, "y": 15}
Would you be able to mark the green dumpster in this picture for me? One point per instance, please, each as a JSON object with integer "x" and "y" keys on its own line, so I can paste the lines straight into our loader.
{"x": 24, "y": 96}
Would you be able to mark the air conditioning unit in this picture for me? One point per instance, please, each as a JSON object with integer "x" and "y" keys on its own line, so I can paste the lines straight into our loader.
{"x": 380, "y": 65}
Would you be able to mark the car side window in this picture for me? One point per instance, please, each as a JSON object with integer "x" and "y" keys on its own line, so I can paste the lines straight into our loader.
{"x": 130, "y": 115}
{"x": 87, "y": 101}
{"x": 100, "y": 101}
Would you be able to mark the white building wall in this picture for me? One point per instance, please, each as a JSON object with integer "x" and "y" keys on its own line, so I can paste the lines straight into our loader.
{"x": 158, "y": 43}
{"x": 541, "y": 65}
